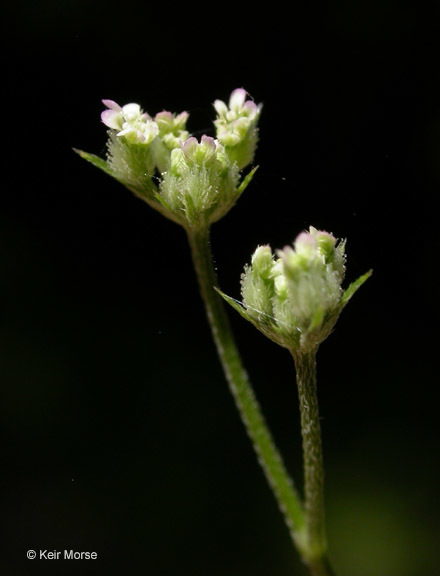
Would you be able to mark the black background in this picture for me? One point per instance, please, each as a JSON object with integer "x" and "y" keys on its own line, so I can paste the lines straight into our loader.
{"x": 118, "y": 433}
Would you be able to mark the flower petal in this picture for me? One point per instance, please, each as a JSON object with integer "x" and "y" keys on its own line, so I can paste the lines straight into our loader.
{"x": 112, "y": 119}
{"x": 237, "y": 99}
{"x": 112, "y": 105}
{"x": 208, "y": 142}
{"x": 164, "y": 117}
{"x": 189, "y": 146}
{"x": 220, "y": 107}
{"x": 181, "y": 119}
{"x": 131, "y": 111}
{"x": 251, "y": 108}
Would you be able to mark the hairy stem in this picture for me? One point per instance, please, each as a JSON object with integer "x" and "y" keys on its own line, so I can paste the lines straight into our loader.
{"x": 242, "y": 391}
{"x": 305, "y": 363}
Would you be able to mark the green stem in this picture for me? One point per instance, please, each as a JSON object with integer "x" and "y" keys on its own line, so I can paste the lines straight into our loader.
{"x": 321, "y": 568}
{"x": 241, "y": 389}
{"x": 305, "y": 364}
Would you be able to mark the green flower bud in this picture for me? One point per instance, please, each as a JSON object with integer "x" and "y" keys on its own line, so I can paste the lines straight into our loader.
{"x": 296, "y": 297}
{"x": 257, "y": 285}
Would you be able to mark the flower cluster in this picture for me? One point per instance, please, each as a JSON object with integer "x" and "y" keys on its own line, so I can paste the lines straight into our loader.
{"x": 201, "y": 182}
{"x": 130, "y": 122}
{"x": 193, "y": 183}
{"x": 236, "y": 126}
{"x": 295, "y": 297}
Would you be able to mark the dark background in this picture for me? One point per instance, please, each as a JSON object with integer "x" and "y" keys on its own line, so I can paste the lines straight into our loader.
{"x": 118, "y": 434}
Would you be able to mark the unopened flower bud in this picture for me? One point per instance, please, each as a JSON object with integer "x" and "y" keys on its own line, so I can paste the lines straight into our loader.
{"x": 257, "y": 283}
{"x": 314, "y": 288}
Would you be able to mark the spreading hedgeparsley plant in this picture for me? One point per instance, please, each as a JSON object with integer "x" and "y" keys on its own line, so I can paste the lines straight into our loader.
{"x": 293, "y": 296}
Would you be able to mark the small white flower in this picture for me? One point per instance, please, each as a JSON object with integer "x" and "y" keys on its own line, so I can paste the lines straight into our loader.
{"x": 236, "y": 119}
{"x": 199, "y": 153}
{"x": 136, "y": 126}
{"x": 172, "y": 128}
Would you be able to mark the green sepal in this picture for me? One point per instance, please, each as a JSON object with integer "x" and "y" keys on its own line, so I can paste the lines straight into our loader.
{"x": 354, "y": 287}
{"x": 238, "y": 306}
{"x": 216, "y": 212}
{"x": 165, "y": 209}
{"x": 162, "y": 201}
{"x": 192, "y": 214}
{"x": 150, "y": 196}
{"x": 96, "y": 161}
{"x": 270, "y": 330}
{"x": 246, "y": 181}
{"x": 317, "y": 320}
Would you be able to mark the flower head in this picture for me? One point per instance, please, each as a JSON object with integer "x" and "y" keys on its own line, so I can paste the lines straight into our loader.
{"x": 172, "y": 128}
{"x": 172, "y": 131}
{"x": 136, "y": 126}
{"x": 201, "y": 184}
{"x": 233, "y": 121}
{"x": 295, "y": 297}
{"x": 192, "y": 182}
{"x": 236, "y": 126}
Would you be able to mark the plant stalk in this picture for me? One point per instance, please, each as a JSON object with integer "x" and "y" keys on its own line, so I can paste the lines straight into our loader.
{"x": 316, "y": 555}
{"x": 240, "y": 386}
